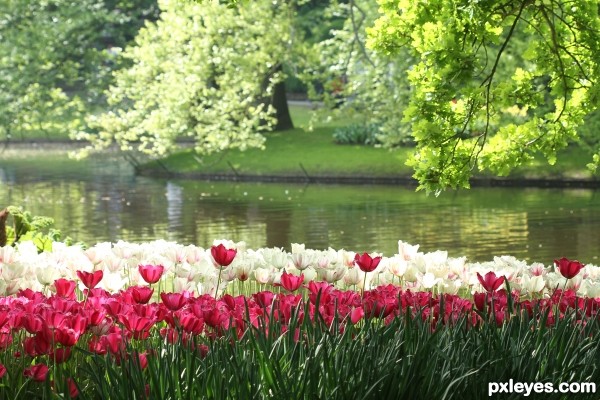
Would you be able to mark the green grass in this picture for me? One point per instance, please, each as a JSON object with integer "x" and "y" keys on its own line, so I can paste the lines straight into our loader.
{"x": 318, "y": 154}
{"x": 571, "y": 164}
{"x": 288, "y": 152}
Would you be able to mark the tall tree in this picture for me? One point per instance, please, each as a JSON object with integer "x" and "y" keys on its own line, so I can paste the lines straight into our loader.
{"x": 203, "y": 70}
{"x": 472, "y": 71}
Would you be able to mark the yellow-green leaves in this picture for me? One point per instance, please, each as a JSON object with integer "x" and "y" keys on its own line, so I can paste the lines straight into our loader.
{"x": 493, "y": 83}
{"x": 203, "y": 71}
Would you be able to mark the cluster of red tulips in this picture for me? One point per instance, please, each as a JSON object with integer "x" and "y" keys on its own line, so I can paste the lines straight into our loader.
{"x": 45, "y": 329}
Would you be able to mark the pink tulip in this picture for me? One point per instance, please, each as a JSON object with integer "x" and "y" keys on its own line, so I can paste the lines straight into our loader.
{"x": 32, "y": 323}
{"x": 143, "y": 358}
{"x": 356, "y": 315}
{"x": 67, "y": 336}
{"x": 141, "y": 294}
{"x": 61, "y": 354}
{"x": 114, "y": 343}
{"x": 2, "y": 371}
{"x": 151, "y": 273}
{"x": 138, "y": 326}
{"x": 320, "y": 291}
{"x": 72, "y": 386}
{"x": 191, "y": 324}
{"x": 263, "y": 299}
{"x": 479, "y": 300}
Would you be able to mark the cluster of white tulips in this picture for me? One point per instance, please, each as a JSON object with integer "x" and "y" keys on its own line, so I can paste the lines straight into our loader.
{"x": 192, "y": 268}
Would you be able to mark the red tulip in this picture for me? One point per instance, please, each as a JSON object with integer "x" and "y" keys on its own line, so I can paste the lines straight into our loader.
{"x": 356, "y": 315}
{"x": 191, "y": 324}
{"x": 90, "y": 279}
{"x": 222, "y": 255}
{"x": 366, "y": 263}
{"x": 67, "y": 336}
{"x": 2, "y": 371}
{"x": 151, "y": 273}
{"x": 61, "y": 354}
{"x": 263, "y": 299}
{"x": 141, "y": 294}
{"x": 479, "y": 300}
{"x": 65, "y": 288}
{"x": 291, "y": 282}
{"x": 568, "y": 268}
{"x": 490, "y": 282}
{"x": 173, "y": 301}
{"x": 73, "y": 391}
{"x": 36, "y": 372}
{"x": 143, "y": 358}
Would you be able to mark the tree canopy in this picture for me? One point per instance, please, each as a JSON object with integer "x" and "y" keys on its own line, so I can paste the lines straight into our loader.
{"x": 494, "y": 82}
{"x": 204, "y": 71}
{"x": 56, "y": 59}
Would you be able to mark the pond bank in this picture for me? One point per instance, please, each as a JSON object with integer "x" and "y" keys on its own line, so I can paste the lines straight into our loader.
{"x": 367, "y": 180}
{"x": 300, "y": 157}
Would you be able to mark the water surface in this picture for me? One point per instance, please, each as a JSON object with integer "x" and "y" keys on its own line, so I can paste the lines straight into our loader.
{"x": 101, "y": 199}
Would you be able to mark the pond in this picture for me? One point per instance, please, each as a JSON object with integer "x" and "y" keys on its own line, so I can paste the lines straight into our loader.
{"x": 101, "y": 199}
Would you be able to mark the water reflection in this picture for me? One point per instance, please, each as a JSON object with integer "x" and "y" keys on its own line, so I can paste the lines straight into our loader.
{"x": 102, "y": 200}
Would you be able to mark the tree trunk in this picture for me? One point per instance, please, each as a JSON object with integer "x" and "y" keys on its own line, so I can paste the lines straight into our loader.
{"x": 3, "y": 217}
{"x": 279, "y": 103}
{"x": 282, "y": 111}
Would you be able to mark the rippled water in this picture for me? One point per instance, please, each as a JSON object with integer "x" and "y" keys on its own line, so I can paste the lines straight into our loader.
{"x": 102, "y": 200}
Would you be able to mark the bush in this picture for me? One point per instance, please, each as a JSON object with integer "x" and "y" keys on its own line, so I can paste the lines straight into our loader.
{"x": 364, "y": 134}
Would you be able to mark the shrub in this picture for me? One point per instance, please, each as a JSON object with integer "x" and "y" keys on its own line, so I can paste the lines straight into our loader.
{"x": 364, "y": 134}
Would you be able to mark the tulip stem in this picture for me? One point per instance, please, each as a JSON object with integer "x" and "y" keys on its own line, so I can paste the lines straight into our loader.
{"x": 364, "y": 286}
{"x": 218, "y": 282}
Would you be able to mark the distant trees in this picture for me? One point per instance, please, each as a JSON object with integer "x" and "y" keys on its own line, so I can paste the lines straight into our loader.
{"x": 357, "y": 80}
{"x": 56, "y": 58}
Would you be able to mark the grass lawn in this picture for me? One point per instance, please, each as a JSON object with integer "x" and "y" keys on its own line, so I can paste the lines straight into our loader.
{"x": 285, "y": 153}
{"x": 316, "y": 151}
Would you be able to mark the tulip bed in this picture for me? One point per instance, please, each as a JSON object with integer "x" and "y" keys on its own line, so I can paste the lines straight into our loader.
{"x": 162, "y": 320}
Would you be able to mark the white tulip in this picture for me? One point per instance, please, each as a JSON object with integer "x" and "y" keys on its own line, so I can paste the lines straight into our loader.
{"x": 261, "y": 275}
{"x": 429, "y": 280}
{"x": 407, "y": 251}
{"x": 533, "y": 284}
{"x": 353, "y": 276}
{"x": 7, "y": 255}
